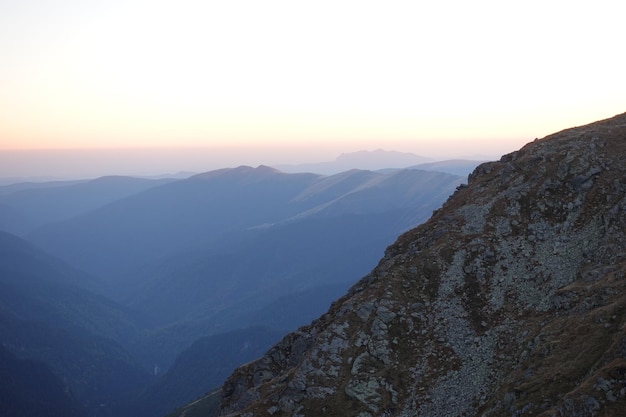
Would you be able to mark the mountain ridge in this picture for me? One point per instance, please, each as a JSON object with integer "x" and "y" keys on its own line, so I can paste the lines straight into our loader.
{"x": 116, "y": 240}
{"x": 46, "y": 315}
{"x": 508, "y": 301}
{"x": 38, "y": 204}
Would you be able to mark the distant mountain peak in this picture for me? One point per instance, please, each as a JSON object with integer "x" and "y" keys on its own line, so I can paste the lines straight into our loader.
{"x": 238, "y": 171}
{"x": 380, "y": 155}
{"x": 364, "y": 160}
{"x": 266, "y": 168}
{"x": 258, "y": 169}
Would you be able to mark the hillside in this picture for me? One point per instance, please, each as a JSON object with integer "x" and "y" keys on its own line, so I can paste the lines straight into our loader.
{"x": 116, "y": 240}
{"x": 39, "y": 287}
{"x": 202, "y": 367}
{"x": 46, "y": 318}
{"x": 205, "y": 256}
{"x": 510, "y": 300}
{"x": 226, "y": 243}
{"x": 341, "y": 225}
{"x": 28, "y": 206}
{"x": 220, "y": 251}
{"x": 462, "y": 167}
{"x": 120, "y": 241}
{"x": 20, "y": 397}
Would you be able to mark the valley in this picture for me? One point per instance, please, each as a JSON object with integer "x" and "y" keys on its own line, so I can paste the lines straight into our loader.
{"x": 174, "y": 283}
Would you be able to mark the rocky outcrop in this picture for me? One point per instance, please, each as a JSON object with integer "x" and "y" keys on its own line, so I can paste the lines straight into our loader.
{"x": 509, "y": 301}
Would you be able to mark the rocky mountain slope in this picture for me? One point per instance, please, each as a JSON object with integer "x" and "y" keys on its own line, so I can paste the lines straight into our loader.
{"x": 510, "y": 300}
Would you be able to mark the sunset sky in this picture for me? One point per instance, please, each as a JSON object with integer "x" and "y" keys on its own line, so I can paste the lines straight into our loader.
{"x": 303, "y": 80}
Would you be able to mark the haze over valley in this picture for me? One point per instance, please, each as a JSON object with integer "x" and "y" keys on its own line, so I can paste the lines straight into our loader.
{"x": 168, "y": 276}
{"x": 141, "y": 297}
{"x": 294, "y": 209}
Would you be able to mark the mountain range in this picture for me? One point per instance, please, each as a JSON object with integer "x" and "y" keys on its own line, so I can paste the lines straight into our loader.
{"x": 130, "y": 297}
{"x": 384, "y": 161}
{"x": 47, "y": 317}
{"x": 25, "y": 207}
{"x": 364, "y": 160}
{"x": 23, "y": 398}
{"x": 509, "y": 301}
{"x": 117, "y": 286}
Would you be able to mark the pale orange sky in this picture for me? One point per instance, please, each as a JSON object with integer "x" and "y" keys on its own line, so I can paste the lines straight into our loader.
{"x": 306, "y": 78}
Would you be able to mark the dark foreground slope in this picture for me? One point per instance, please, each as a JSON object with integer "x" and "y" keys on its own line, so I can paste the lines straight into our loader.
{"x": 51, "y": 325}
{"x": 510, "y": 300}
{"x": 29, "y": 388}
{"x": 203, "y": 366}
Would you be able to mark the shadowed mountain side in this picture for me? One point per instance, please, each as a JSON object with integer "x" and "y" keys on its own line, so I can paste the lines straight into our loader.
{"x": 510, "y": 300}
{"x": 22, "y": 262}
{"x": 37, "y": 286}
{"x": 43, "y": 203}
{"x": 113, "y": 240}
{"x": 222, "y": 286}
{"x": 222, "y": 289}
{"x": 10, "y": 216}
{"x": 203, "y": 367}
{"x": 72, "y": 309}
{"x": 414, "y": 191}
{"x": 266, "y": 264}
{"x": 119, "y": 241}
{"x": 99, "y": 372}
{"x": 462, "y": 167}
{"x": 298, "y": 308}
{"x": 29, "y": 388}
{"x": 79, "y": 335}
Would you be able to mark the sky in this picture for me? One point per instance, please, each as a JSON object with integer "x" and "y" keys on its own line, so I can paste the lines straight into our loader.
{"x": 298, "y": 81}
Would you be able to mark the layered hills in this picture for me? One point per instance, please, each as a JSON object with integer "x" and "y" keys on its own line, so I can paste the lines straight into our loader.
{"x": 204, "y": 255}
{"x": 509, "y": 300}
{"x": 59, "y": 334}
{"x": 120, "y": 241}
{"x": 25, "y": 207}
{"x": 135, "y": 286}
{"x": 20, "y": 397}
